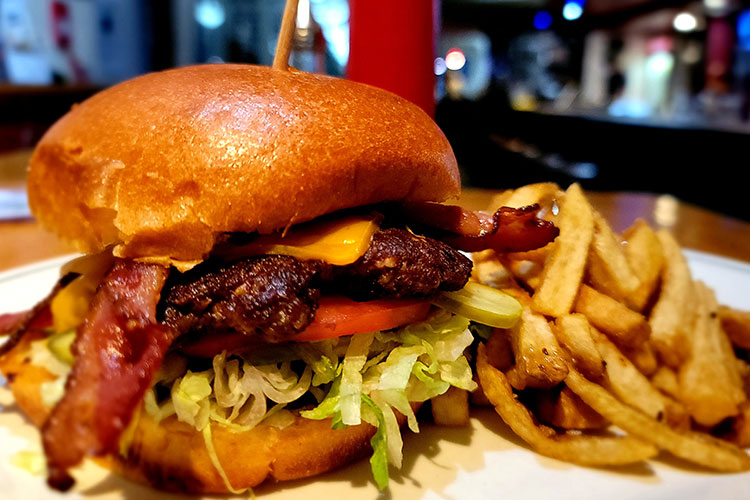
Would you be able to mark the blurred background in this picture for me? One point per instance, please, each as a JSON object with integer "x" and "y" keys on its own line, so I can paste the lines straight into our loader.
{"x": 637, "y": 95}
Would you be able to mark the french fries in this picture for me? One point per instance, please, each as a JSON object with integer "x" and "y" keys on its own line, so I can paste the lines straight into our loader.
{"x": 608, "y": 268}
{"x": 693, "y": 447}
{"x": 580, "y": 449}
{"x": 740, "y": 432}
{"x": 565, "y": 265}
{"x": 565, "y": 410}
{"x": 623, "y": 325}
{"x": 574, "y": 333}
{"x": 627, "y": 383}
{"x": 451, "y": 409}
{"x": 489, "y": 271}
{"x": 736, "y": 324}
{"x": 537, "y": 354}
{"x": 643, "y": 357}
{"x": 665, "y": 379}
{"x": 615, "y": 331}
{"x": 646, "y": 258}
{"x": 498, "y": 350}
{"x": 672, "y": 316}
{"x": 677, "y": 416}
{"x": 542, "y": 193}
{"x": 710, "y": 383}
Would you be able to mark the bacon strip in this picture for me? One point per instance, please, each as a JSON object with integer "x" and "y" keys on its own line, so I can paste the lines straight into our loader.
{"x": 515, "y": 230}
{"x": 450, "y": 218}
{"x": 508, "y": 230}
{"x": 118, "y": 349}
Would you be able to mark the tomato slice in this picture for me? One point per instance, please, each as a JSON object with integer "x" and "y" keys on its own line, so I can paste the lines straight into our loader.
{"x": 335, "y": 317}
{"x": 339, "y": 316}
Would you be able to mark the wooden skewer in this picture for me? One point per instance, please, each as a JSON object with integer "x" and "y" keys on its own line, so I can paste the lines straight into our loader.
{"x": 286, "y": 36}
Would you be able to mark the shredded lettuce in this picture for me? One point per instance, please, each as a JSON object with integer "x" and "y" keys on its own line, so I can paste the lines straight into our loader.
{"x": 323, "y": 362}
{"x": 414, "y": 364}
{"x": 190, "y": 398}
{"x": 362, "y": 378}
{"x": 351, "y": 378}
{"x": 379, "y": 443}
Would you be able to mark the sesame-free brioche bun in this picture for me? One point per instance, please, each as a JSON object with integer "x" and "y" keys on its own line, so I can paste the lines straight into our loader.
{"x": 171, "y": 455}
{"x": 161, "y": 165}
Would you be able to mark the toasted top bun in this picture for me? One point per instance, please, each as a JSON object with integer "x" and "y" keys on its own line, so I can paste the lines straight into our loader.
{"x": 161, "y": 165}
{"x": 171, "y": 455}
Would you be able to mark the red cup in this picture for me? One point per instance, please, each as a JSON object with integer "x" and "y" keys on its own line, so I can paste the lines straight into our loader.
{"x": 392, "y": 46}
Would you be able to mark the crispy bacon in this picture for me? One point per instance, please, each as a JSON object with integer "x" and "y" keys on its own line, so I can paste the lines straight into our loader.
{"x": 508, "y": 230}
{"x": 118, "y": 349}
{"x": 451, "y": 218}
{"x": 514, "y": 230}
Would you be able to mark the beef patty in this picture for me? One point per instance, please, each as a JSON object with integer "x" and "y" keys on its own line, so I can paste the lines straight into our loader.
{"x": 276, "y": 296}
{"x": 401, "y": 264}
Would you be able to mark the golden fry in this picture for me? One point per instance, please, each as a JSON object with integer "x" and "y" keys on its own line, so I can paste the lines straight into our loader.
{"x": 626, "y": 382}
{"x": 671, "y": 316}
{"x": 543, "y": 194}
{"x": 624, "y": 326}
{"x": 643, "y": 357}
{"x": 500, "y": 200}
{"x": 538, "y": 356}
{"x": 526, "y": 271}
{"x": 499, "y": 353}
{"x": 740, "y": 433}
{"x": 608, "y": 270}
{"x": 694, "y": 447}
{"x": 538, "y": 256}
{"x": 580, "y": 449}
{"x": 478, "y": 398}
{"x": 665, "y": 379}
{"x": 451, "y": 409}
{"x": 565, "y": 410}
{"x": 644, "y": 253}
{"x": 736, "y": 324}
{"x": 574, "y": 333}
{"x": 676, "y": 415}
{"x": 710, "y": 383}
{"x": 490, "y": 271}
{"x": 564, "y": 268}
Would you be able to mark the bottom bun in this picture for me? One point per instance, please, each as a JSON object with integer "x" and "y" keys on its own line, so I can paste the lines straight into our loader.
{"x": 172, "y": 455}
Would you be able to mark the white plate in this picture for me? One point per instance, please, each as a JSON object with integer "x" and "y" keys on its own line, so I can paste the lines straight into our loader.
{"x": 484, "y": 461}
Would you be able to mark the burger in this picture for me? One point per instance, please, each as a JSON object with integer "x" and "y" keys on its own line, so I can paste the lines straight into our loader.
{"x": 269, "y": 286}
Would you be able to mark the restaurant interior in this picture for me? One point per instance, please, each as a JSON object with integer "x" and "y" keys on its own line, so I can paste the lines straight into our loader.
{"x": 627, "y": 95}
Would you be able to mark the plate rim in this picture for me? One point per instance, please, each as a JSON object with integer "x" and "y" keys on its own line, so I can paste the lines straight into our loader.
{"x": 35, "y": 267}
{"x": 714, "y": 259}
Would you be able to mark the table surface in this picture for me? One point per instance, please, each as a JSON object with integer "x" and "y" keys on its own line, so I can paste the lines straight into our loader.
{"x": 25, "y": 242}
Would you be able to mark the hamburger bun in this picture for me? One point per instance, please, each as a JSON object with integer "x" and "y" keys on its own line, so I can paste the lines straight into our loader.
{"x": 162, "y": 165}
{"x": 171, "y": 455}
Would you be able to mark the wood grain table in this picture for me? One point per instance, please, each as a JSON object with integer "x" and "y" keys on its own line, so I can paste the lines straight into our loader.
{"x": 25, "y": 242}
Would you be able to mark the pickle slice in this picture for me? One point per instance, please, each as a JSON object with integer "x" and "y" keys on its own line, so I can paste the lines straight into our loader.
{"x": 60, "y": 345}
{"x": 481, "y": 304}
